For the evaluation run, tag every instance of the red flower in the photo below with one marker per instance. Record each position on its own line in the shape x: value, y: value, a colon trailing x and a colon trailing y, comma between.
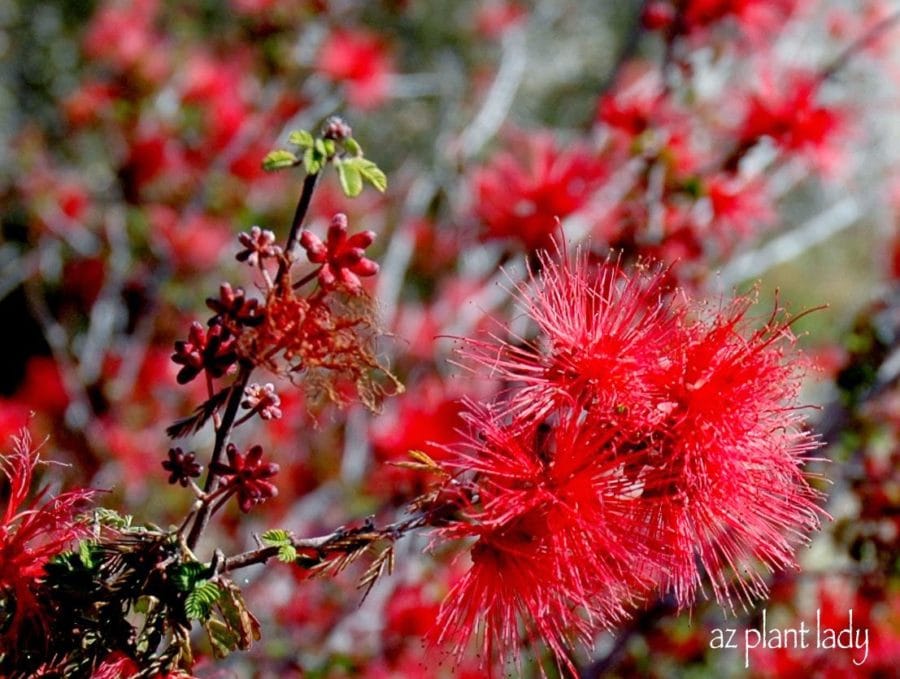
x: 122, y: 34
x: 31, y: 533
x: 246, y: 475
x: 342, y: 258
x: 360, y: 61
x: 522, y: 195
x: 644, y: 442
x: 791, y: 117
x: 493, y: 19
x: 557, y: 537
x: 728, y: 476
x: 605, y: 335
x: 738, y: 206
x: 756, y: 18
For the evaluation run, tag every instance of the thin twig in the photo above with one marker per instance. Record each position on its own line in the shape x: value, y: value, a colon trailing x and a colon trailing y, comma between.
x: 874, y: 32
x: 309, y: 185
x: 223, y: 435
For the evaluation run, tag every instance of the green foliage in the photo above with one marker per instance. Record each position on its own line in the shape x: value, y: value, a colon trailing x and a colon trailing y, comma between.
x: 187, y: 575
x: 350, y: 178
x: 371, y: 173
x: 354, y: 171
x: 85, y: 554
x: 104, y: 516
x: 198, y: 604
x: 278, y: 159
x: 287, y: 553
x: 301, y: 138
x: 278, y: 537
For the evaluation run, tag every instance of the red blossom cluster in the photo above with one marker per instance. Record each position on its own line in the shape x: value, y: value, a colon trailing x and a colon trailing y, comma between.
x: 34, y: 528
x: 523, y: 194
x: 645, y: 442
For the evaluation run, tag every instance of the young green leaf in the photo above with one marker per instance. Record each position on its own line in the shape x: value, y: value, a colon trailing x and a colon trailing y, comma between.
x: 350, y: 178
x: 352, y: 146
x: 311, y: 161
x: 276, y: 536
x: 301, y: 138
x: 287, y: 553
x: 278, y: 160
x: 372, y: 173
x: 85, y: 553
x: 198, y: 604
x: 186, y: 575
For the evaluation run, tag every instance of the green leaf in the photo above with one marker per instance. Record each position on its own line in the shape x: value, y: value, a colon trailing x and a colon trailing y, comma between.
x: 186, y: 575
x: 287, y: 553
x: 301, y: 138
x: 350, y: 178
x: 371, y: 173
x: 85, y: 553
x: 329, y: 147
x: 198, y: 604
x: 311, y: 161
x: 352, y: 146
x: 320, y: 148
x: 112, y: 518
x: 278, y: 159
x: 276, y: 536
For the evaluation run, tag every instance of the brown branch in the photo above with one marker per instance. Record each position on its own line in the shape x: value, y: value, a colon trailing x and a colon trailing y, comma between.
x: 223, y: 435
x: 875, y: 32
x: 340, y: 542
x: 309, y: 185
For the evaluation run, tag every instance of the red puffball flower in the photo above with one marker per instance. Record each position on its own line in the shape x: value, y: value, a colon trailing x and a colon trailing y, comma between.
x: 560, y: 542
x: 522, y: 195
x: 32, y: 531
x: 644, y: 442
x: 727, y: 477
x: 739, y: 208
x: 342, y: 257
x: 792, y: 118
x: 246, y: 475
x: 604, y: 333
x: 360, y: 61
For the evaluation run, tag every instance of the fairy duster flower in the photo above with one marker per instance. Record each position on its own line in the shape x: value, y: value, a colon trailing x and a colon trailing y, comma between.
x: 645, y: 443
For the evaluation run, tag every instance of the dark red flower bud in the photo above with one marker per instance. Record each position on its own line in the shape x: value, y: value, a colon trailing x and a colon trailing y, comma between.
x: 259, y: 244
x: 235, y: 309
x: 245, y: 474
x: 212, y: 349
x: 181, y: 466
x: 342, y: 258
x: 335, y: 128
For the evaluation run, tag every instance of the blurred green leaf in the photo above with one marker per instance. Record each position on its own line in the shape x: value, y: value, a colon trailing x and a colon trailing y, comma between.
x: 278, y: 160
x: 350, y: 178
x: 301, y: 138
